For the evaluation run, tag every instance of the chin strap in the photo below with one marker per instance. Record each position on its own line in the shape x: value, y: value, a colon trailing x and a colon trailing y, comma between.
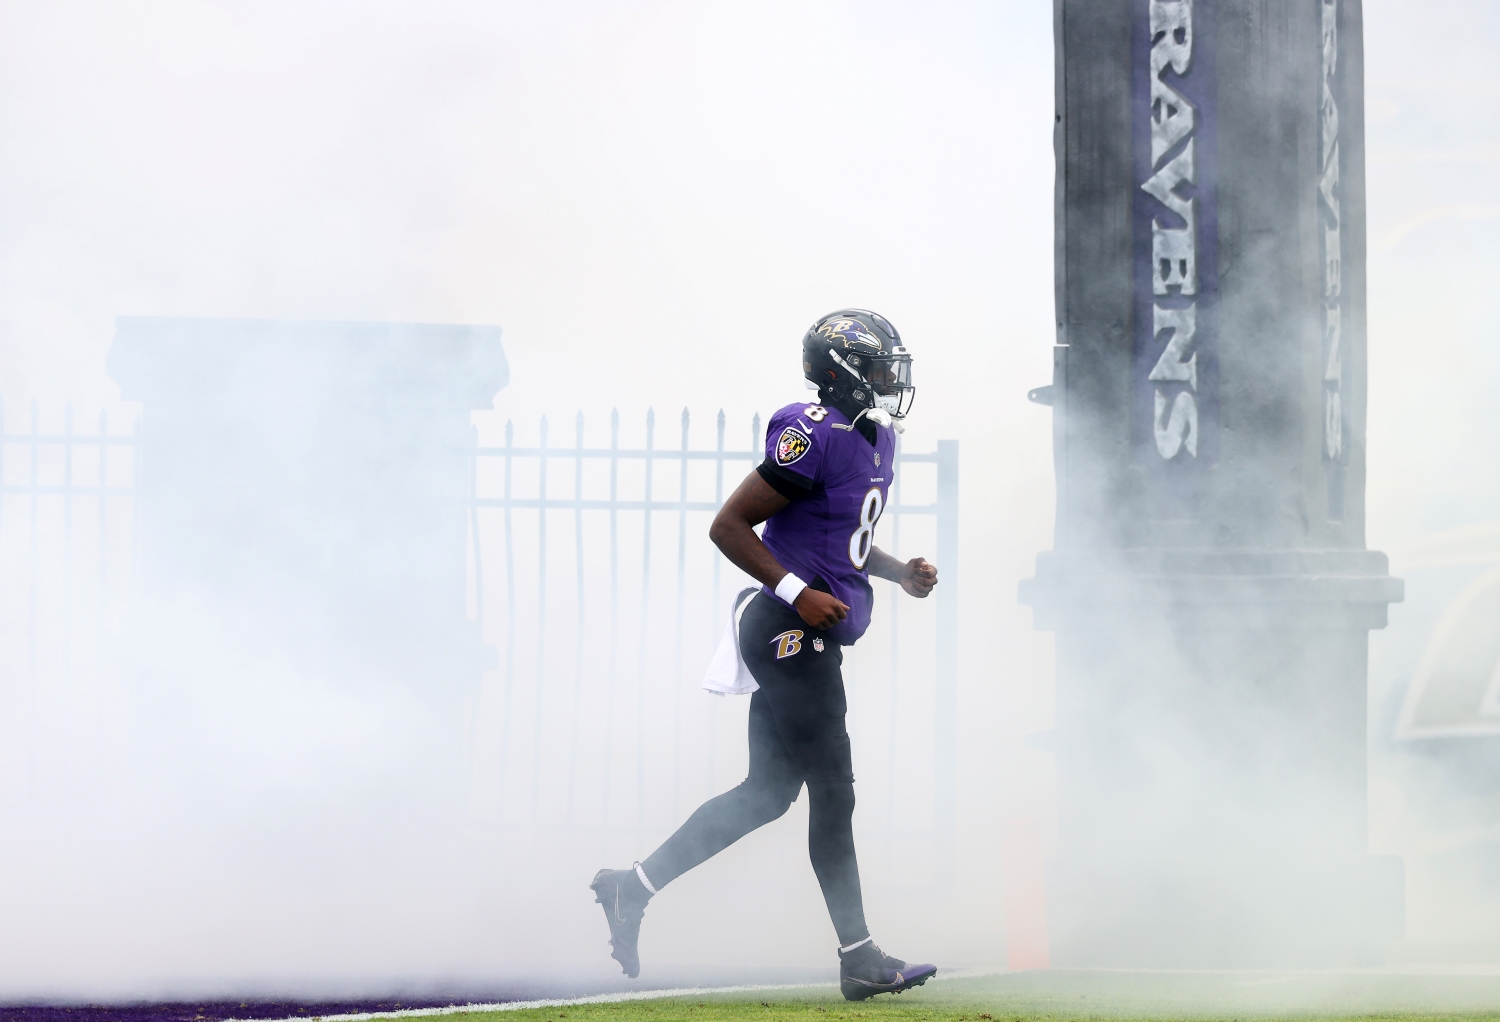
x: 847, y: 367
x: 879, y: 416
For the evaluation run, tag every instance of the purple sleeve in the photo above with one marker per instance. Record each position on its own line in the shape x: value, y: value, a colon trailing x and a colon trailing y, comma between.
x: 795, y: 444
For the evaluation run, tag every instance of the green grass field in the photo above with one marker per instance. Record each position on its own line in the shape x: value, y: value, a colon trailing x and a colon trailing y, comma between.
x: 1065, y: 994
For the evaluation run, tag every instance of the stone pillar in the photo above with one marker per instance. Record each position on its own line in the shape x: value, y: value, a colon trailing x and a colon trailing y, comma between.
x: 1210, y: 588
x: 303, y: 492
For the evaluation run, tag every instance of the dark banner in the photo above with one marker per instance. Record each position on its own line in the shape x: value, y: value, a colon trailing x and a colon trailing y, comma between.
x: 1176, y: 368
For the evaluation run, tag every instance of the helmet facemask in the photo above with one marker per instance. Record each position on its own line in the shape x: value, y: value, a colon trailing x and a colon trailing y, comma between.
x: 884, y: 387
x: 890, y: 381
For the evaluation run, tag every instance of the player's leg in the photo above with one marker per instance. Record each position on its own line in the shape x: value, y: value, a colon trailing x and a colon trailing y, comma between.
x: 830, y: 846
x: 802, y: 680
x: 803, y: 686
x: 765, y: 795
x: 769, y: 789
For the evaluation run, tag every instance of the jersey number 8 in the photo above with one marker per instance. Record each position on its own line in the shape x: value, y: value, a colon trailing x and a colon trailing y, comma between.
x: 863, y: 539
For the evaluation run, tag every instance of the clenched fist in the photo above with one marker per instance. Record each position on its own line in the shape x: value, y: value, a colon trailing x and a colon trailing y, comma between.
x: 918, y: 577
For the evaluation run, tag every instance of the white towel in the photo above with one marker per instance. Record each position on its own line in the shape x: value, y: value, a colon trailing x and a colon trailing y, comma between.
x: 727, y: 674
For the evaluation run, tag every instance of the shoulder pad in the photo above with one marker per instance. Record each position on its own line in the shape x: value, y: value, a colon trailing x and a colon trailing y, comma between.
x: 806, y: 417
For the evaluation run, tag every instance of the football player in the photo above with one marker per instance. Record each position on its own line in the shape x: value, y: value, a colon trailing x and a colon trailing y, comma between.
x: 820, y: 492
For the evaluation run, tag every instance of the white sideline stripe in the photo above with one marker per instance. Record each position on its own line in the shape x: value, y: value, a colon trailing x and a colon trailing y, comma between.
x: 556, y: 1002
x: 629, y: 995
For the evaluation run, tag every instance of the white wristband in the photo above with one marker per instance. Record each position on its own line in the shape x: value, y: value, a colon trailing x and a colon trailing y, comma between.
x: 789, y: 588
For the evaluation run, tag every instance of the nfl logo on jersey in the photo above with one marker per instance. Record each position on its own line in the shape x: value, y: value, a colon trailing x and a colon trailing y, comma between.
x: 818, y: 644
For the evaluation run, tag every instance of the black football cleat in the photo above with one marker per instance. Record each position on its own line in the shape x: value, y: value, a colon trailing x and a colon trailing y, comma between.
x: 624, y: 899
x: 867, y: 971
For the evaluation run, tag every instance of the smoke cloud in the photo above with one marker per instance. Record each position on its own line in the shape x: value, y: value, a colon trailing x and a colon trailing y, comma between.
x: 653, y: 201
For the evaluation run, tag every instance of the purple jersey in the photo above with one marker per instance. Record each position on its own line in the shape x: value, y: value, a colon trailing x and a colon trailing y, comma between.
x: 829, y: 533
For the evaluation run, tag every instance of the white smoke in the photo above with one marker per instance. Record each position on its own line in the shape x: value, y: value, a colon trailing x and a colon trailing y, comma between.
x: 654, y: 200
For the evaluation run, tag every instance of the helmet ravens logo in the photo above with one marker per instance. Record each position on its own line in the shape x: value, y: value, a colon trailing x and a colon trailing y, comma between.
x: 849, y: 332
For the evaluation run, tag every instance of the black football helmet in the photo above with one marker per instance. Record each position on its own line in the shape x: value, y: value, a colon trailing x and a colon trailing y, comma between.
x: 856, y: 359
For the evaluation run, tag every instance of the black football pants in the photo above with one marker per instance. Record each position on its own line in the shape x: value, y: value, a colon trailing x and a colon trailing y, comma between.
x: 797, y: 736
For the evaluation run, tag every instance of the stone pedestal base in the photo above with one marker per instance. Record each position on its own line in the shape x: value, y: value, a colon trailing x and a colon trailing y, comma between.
x: 1211, y: 749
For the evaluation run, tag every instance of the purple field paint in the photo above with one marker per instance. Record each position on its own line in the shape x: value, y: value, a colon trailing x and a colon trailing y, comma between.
x: 206, y: 1011
x: 536, y: 990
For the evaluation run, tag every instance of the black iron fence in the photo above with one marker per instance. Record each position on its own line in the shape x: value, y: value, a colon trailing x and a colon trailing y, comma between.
x: 67, y: 540
x: 592, y: 576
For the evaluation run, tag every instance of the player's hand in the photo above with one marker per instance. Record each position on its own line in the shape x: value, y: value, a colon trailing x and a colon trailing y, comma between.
x: 820, y: 609
x: 918, y: 577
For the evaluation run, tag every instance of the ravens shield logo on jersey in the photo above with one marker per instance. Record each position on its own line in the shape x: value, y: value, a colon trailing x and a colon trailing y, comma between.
x: 792, y: 445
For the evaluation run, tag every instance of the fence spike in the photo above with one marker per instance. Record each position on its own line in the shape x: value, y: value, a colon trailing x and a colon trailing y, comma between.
x: 510, y: 432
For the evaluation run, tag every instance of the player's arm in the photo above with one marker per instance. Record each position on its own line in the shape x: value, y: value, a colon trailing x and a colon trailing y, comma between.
x: 733, y: 532
x: 916, y: 576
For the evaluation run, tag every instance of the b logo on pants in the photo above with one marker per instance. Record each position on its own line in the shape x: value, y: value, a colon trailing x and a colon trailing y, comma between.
x: 788, y: 643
